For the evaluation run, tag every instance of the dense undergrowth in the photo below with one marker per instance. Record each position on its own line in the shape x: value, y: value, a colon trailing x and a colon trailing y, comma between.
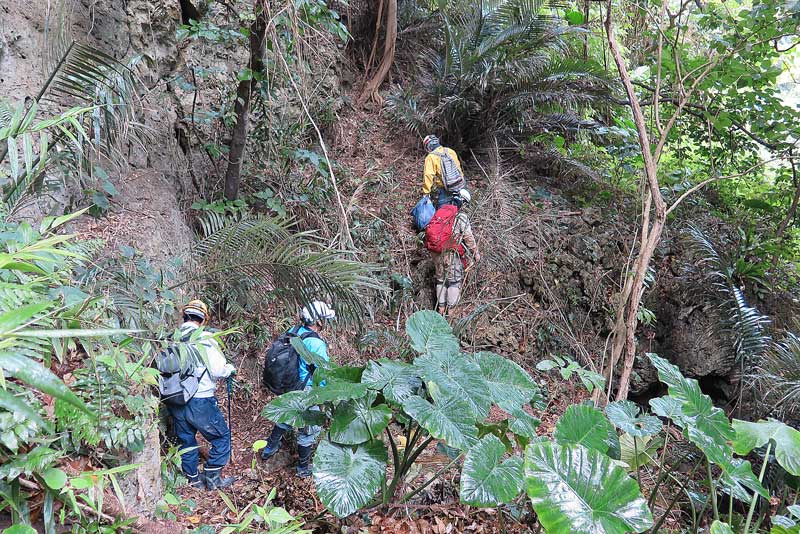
x: 528, y: 92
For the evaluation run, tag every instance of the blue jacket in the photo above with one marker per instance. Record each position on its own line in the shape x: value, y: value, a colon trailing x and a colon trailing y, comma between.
x: 317, y: 346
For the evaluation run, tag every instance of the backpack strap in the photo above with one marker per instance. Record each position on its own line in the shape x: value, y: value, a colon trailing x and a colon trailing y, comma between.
x: 309, y: 334
x: 185, y: 338
x: 311, y: 367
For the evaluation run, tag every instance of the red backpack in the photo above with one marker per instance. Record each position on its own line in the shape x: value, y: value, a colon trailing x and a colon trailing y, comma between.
x: 439, y: 233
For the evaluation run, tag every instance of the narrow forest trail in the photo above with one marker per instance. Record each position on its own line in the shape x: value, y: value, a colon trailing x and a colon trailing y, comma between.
x: 381, y: 175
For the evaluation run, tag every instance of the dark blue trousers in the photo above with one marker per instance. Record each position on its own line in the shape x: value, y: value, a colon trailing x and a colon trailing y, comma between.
x: 201, y: 415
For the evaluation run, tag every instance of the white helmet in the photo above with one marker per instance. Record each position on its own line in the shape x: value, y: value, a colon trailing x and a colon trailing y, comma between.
x: 466, y: 198
x: 316, y: 311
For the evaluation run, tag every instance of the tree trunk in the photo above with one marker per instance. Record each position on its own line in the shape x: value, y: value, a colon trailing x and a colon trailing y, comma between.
x: 244, y: 94
x: 625, y: 338
x: 370, y: 91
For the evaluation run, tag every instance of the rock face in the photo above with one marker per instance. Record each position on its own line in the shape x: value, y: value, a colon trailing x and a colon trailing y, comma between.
x: 146, y: 213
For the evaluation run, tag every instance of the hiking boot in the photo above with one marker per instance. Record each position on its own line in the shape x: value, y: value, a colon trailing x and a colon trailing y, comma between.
x: 273, y: 443
x: 197, y: 480
x: 215, y: 481
x: 303, y: 461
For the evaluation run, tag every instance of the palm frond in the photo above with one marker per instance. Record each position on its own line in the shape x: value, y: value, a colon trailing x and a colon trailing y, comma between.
x: 778, y: 375
x: 499, y: 65
x: 497, y: 210
x: 747, y: 327
x: 263, y: 257
x: 403, y: 108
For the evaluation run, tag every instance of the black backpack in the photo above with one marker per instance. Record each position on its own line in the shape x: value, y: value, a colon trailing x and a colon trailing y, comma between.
x: 282, y: 363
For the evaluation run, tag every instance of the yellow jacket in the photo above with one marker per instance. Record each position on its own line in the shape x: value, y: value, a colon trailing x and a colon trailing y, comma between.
x: 432, y: 177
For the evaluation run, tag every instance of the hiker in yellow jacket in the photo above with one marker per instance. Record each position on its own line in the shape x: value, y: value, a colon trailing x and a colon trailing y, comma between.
x: 442, y: 178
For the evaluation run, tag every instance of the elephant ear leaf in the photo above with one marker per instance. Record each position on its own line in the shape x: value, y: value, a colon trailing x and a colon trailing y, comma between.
x: 718, y: 527
x: 487, y: 480
x: 625, y: 416
x: 584, y: 425
x: 431, y: 334
x: 575, y: 490
x: 507, y: 382
x: 358, y: 421
x: 449, y: 419
x: 397, y: 380
x: 347, y: 478
x: 750, y: 436
x: 292, y: 409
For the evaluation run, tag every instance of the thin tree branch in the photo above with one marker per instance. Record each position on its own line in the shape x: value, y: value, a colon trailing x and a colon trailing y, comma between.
x: 727, y: 177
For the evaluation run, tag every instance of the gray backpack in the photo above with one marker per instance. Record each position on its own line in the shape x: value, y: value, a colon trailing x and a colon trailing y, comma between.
x: 178, y: 382
x: 452, y: 178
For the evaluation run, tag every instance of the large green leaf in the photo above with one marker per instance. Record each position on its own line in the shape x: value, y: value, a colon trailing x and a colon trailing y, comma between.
x: 738, y: 477
x: 575, y: 490
x: 458, y: 376
x: 450, y: 419
x: 668, y: 407
x: 705, y: 425
x: 339, y: 373
x: 750, y: 436
x: 782, y: 524
x: 336, y: 391
x: 19, y: 529
x: 508, y: 383
x: 348, y: 477
x: 397, y: 380
x: 309, y: 356
x: 625, y: 416
x: 583, y: 425
x: 488, y: 480
x: 522, y: 423
x: 638, y: 452
x: 292, y: 409
x: 718, y: 527
x: 34, y: 374
x: 358, y: 421
x: 431, y: 334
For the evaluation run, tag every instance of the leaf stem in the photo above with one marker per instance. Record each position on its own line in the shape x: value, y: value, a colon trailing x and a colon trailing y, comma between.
x: 428, y: 482
x: 754, y: 499
x: 713, y: 490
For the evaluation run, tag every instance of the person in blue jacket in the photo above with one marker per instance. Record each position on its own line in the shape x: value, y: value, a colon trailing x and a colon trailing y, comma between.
x: 314, y: 318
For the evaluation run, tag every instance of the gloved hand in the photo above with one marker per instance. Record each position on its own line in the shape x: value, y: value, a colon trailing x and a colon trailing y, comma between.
x: 477, y: 257
x: 230, y: 369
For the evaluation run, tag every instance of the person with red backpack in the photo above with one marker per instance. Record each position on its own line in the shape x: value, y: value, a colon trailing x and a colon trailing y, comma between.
x: 449, y: 237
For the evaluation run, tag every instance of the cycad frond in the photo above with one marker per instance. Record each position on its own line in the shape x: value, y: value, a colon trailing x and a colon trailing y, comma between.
x: 498, y: 67
x: 743, y: 326
x: 747, y: 327
x: 263, y: 257
x: 778, y: 374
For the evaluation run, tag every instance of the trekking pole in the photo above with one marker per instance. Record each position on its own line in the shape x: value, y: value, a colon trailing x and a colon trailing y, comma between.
x: 229, y: 384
